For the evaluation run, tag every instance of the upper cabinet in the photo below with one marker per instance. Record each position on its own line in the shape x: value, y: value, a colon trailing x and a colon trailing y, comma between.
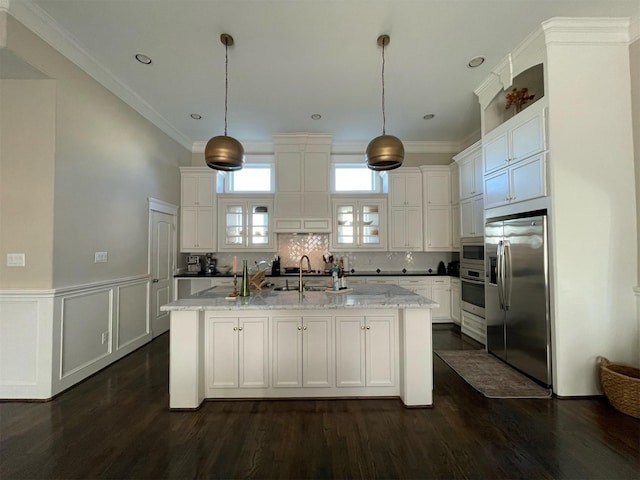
x: 405, y: 220
x: 302, y: 199
x: 245, y: 224
x: 470, y: 171
x: 197, y: 189
x: 359, y: 223
x: 437, y: 212
x: 197, y: 210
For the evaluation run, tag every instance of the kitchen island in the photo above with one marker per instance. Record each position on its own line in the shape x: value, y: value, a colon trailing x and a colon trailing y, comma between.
x: 372, y: 341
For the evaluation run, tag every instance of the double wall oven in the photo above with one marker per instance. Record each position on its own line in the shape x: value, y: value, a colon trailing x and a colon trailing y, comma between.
x: 472, y: 276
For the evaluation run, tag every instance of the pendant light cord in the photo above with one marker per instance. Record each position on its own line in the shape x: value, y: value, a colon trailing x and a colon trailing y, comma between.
x: 384, y: 119
x: 226, y: 83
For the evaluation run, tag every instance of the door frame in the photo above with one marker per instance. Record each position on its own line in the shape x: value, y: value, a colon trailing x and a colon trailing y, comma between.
x: 169, y: 209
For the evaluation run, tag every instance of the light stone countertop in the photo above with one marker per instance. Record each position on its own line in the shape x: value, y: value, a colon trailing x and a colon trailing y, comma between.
x: 360, y: 296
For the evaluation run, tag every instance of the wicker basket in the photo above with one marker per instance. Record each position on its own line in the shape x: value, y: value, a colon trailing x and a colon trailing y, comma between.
x: 621, y: 385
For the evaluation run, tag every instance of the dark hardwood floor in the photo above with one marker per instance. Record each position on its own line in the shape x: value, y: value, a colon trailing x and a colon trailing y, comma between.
x: 116, y: 424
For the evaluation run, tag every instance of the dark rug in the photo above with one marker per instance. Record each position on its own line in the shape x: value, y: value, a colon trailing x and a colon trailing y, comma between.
x: 490, y: 376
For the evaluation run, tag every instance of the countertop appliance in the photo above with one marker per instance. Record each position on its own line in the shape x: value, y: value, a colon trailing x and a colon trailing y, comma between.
x: 517, y: 293
x: 193, y: 264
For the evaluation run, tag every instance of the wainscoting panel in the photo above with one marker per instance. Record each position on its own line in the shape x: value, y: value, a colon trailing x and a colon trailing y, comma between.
x: 85, y: 329
x: 19, y: 340
x: 133, y: 320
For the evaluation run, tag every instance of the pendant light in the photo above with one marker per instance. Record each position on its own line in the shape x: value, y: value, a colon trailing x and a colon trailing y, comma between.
x: 385, y: 152
x: 223, y: 152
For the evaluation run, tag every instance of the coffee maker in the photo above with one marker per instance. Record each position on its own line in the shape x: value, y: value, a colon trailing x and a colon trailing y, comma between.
x: 193, y: 264
x: 210, y: 264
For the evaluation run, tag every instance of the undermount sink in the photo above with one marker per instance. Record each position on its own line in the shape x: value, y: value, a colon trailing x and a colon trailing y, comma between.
x: 285, y: 289
x: 290, y: 288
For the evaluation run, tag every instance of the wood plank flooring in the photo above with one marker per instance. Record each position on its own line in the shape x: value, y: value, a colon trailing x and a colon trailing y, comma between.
x: 116, y: 424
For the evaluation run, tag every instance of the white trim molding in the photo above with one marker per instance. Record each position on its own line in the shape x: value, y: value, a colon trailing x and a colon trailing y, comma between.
x: 586, y: 31
x: 161, y: 206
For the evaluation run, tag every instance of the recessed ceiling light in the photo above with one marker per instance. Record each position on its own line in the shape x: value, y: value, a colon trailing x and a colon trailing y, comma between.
x: 316, y: 116
x: 429, y: 116
x: 195, y: 116
x: 475, y: 62
x: 142, y: 58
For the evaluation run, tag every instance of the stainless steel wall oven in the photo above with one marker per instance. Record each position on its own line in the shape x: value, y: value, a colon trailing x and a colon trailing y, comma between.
x: 472, y: 276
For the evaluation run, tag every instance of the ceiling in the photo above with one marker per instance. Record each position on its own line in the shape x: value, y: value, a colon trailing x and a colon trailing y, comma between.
x: 292, y: 59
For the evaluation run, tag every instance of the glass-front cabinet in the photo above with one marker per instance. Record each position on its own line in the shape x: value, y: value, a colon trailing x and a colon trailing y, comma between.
x: 359, y: 223
x: 246, y: 224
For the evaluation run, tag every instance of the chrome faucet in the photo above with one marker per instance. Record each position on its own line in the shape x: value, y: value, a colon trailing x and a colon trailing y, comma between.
x: 300, y: 285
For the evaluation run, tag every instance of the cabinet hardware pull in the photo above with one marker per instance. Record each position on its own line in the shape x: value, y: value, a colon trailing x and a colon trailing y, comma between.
x: 368, y: 327
x: 361, y: 327
x: 240, y: 328
x: 299, y: 327
x: 155, y: 280
x: 305, y: 327
x: 235, y: 329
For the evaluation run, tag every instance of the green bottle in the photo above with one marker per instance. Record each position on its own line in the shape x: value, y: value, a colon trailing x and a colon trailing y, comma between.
x: 244, y: 286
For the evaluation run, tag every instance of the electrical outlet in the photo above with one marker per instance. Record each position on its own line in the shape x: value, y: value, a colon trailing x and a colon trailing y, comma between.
x: 100, y: 257
x: 105, y: 337
x: 15, y: 260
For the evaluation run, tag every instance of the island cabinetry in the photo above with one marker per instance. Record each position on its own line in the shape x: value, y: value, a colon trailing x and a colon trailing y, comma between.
x: 245, y: 224
x: 236, y: 352
x: 302, y: 353
x: 518, y: 138
x: 365, y: 351
x: 302, y: 199
x: 359, y: 223
x: 197, y: 210
x: 436, y: 191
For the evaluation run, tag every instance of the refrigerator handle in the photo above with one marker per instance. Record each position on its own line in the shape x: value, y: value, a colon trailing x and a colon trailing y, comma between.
x: 499, y: 273
x: 507, y: 274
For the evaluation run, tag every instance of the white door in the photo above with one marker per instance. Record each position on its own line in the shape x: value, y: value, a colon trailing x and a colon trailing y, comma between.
x: 350, y: 352
x: 253, y: 351
x: 316, y: 351
x: 221, y: 352
x: 162, y: 249
x: 380, y: 351
x: 287, y: 352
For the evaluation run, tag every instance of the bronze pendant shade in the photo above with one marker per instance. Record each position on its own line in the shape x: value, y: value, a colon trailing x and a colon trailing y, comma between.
x: 223, y: 152
x: 385, y: 152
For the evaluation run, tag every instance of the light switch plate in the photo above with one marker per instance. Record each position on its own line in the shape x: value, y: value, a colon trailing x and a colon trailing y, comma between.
x: 15, y: 259
x: 100, y: 257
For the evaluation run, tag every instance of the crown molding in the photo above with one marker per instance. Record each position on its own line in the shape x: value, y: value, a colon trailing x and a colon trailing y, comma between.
x: 44, y: 26
x: 586, y: 31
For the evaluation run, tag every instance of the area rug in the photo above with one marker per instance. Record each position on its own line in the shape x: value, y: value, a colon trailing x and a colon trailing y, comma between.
x: 490, y: 376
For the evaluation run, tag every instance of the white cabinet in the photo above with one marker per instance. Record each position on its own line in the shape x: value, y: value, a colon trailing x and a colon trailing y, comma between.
x: 405, y: 229
x: 405, y: 219
x: 455, y: 300
x: 436, y: 191
x: 237, y: 352
x: 472, y: 217
x: 470, y: 171
x: 421, y: 286
x: 518, y: 138
x: 302, y: 351
x: 197, y: 212
x: 365, y: 351
x: 518, y: 182
x: 455, y: 226
x: 245, y: 224
x: 197, y: 187
x: 302, y: 199
x: 359, y: 223
x: 474, y: 326
x: 405, y: 188
x: 197, y: 233
x: 441, y: 293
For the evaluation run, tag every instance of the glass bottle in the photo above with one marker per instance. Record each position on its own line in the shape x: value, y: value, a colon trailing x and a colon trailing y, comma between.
x: 244, y: 286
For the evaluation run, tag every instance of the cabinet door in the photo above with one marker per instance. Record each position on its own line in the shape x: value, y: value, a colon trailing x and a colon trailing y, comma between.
x: 370, y: 224
x: 437, y: 189
x: 467, y: 179
x: 496, y: 189
x: 455, y: 301
x: 196, y: 232
x: 496, y: 153
x: 414, y: 230
x: 288, y: 172
x: 287, y: 352
x: 413, y: 190
x: 397, y: 190
x: 478, y: 173
x: 440, y: 293
x: 527, y: 138
x: 398, y: 229
x: 350, y: 351
x: 454, y: 169
x: 380, y: 351
x: 466, y: 218
x: 221, y: 352
x: 344, y: 233
x: 455, y: 226
x: 259, y: 231
x: 253, y: 365
x: 316, y: 352
x: 527, y: 179
x: 438, y: 228
x: 233, y: 229
x: 478, y: 216
x: 197, y: 190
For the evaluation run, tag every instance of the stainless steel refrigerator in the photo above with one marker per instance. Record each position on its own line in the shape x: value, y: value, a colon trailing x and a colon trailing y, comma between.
x: 517, y: 293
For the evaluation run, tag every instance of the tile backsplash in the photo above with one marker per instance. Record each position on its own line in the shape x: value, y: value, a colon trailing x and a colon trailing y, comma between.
x: 291, y: 247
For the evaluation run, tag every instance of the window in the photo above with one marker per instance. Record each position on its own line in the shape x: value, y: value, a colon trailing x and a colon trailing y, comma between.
x: 348, y: 176
x: 257, y: 175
